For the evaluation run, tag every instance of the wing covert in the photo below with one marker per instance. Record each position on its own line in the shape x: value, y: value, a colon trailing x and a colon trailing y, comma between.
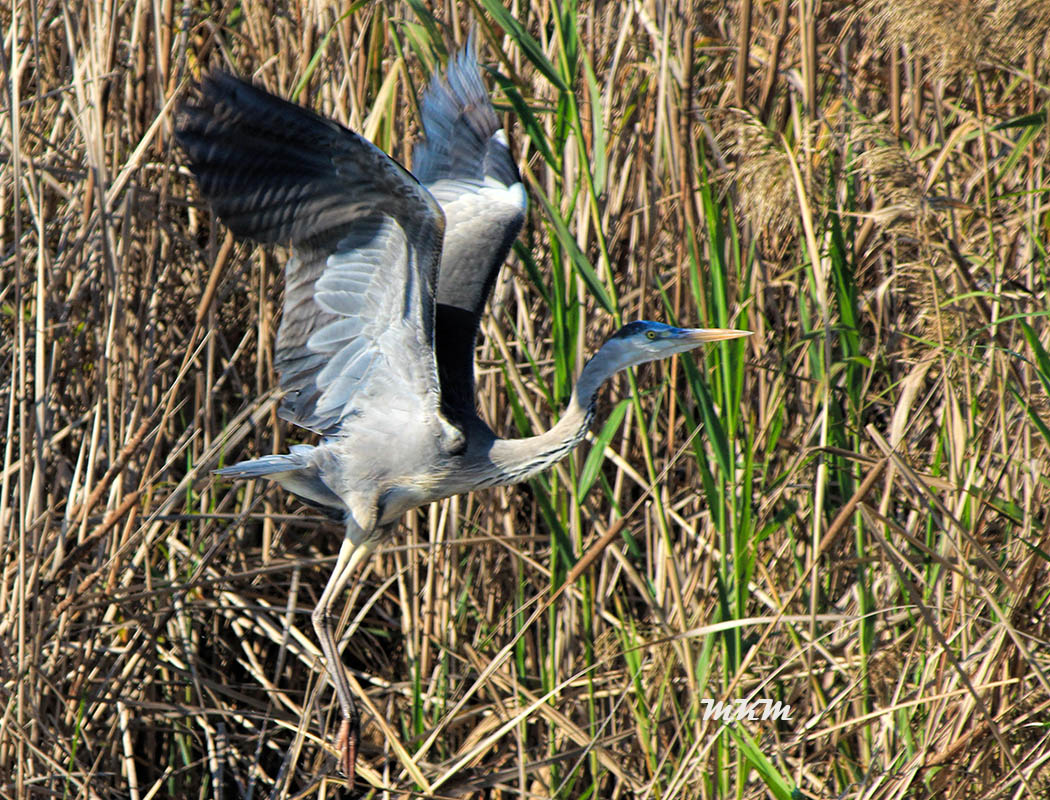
x: 366, y: 237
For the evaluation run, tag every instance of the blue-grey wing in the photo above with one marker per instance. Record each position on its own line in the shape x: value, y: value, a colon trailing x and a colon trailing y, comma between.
x: 465, y: 163
x: 366, y: 237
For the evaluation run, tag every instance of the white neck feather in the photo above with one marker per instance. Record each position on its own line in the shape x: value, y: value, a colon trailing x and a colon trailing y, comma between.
x: 521, y: 459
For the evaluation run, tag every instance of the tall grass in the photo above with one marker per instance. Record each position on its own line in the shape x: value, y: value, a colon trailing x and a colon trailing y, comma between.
x: 844, y: 513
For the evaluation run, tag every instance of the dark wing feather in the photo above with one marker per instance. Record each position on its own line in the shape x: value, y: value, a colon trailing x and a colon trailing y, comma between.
x: 358, y: 321
x: 465, y: 163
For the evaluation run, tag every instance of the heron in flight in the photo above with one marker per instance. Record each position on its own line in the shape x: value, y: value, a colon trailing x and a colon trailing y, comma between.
x: 388, y: 276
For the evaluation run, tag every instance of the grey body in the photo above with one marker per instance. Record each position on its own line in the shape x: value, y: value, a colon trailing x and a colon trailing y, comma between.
x: 384, y: 290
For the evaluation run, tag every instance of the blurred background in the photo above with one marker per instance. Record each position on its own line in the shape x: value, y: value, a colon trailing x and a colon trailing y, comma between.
x: 844, y: 514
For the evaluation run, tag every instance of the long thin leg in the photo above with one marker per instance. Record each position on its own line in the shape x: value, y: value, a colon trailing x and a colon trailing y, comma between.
x: 350, y: 557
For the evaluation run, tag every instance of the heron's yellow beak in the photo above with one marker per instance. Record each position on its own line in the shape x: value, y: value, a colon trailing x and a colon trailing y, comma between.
x: 700, y: 335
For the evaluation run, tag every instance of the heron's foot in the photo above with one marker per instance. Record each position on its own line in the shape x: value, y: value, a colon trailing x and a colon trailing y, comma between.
x: 346, y: 746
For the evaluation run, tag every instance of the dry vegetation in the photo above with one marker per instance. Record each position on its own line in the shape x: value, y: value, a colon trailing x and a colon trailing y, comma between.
x: 859, y: 528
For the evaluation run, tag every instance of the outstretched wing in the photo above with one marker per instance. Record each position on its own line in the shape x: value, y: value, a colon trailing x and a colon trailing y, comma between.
x: 465, y: 163
x: 358, y: 321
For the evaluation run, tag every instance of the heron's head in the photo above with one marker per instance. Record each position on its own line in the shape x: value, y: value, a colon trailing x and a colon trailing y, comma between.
x: 638, y: 342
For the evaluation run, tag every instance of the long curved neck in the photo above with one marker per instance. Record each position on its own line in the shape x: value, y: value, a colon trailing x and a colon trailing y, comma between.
x: 520, y: 459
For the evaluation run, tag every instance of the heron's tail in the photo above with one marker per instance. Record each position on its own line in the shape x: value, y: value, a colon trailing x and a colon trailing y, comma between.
x: 297, y: 473
x: 261, y: 467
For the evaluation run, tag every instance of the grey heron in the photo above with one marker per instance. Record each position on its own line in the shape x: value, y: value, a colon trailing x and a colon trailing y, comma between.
x: 388, y: 276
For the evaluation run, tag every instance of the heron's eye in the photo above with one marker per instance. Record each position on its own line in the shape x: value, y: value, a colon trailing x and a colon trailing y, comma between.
x: 650, y: 334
